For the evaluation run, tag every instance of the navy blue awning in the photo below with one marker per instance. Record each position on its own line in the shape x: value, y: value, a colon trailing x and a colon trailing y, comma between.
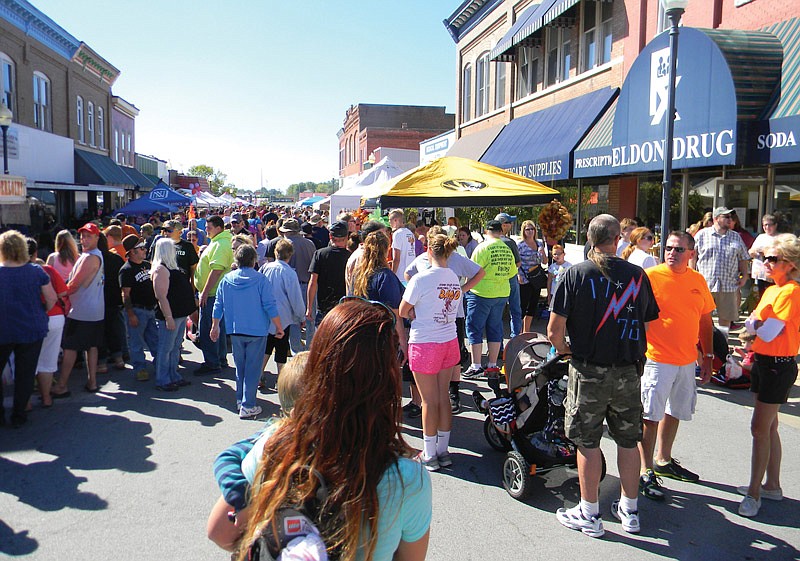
x: 99, y: 169
x: 540, y: 145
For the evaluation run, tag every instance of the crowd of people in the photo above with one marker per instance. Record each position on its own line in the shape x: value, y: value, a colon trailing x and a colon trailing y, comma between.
x: 402, y: 298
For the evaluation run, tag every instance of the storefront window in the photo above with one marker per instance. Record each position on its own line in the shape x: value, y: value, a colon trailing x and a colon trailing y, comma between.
x: 786, y: 204
x: 648, y: 207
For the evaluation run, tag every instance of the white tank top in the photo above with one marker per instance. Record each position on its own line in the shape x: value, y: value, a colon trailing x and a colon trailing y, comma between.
x: 88, y: 303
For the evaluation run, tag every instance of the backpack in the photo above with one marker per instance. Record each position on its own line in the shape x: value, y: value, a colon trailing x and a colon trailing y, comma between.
x: 254, y: 229
x: 300, y: 529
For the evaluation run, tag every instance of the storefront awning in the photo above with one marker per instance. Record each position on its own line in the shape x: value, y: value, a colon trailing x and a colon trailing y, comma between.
x: 139, y: 179
x: 99, y: 169
x: 473, y: 146
x: 540, y: 145
x: 775, y: 138
x: 725, y: 79
x: 531, y: 18
x: 154, y: 178
x: 55, y: 186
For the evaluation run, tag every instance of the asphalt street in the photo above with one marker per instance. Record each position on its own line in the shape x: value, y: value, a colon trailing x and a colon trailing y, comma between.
x: 126, y: 474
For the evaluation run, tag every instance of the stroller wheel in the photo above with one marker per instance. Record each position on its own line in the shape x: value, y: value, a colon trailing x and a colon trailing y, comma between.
x: 516, y: 475
x: 495, y: 439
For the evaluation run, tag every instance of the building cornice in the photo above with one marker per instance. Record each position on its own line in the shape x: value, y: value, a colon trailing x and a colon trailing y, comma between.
x: 35, y: 24
x: 124, y: 107
x: 467, y: 15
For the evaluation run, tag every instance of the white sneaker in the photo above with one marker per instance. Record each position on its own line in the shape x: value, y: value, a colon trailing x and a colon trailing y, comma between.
x: 749, y: 506
x: 252, y: 413
x: 769, y: 494
x: 630, y: 520
x: 574, y: 519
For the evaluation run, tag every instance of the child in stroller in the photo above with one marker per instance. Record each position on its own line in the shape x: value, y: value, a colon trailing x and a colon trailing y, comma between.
x: 526, y: 420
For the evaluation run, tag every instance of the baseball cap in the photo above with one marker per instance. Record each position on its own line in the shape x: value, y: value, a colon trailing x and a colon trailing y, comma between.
x: 494, y: 226
x: 290, y: 225
x: 132, y: 241
x: 339, y: 229
x: 90, y: 227
x: 236, y: 217
x: 504, y: 218
x: 720, y: 210
x: 121, y: 216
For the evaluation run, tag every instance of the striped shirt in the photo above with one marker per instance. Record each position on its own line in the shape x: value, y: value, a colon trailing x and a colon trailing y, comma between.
x: 718, y: 257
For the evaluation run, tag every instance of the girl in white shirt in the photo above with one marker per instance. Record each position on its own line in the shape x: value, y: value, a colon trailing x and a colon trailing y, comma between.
x: 638, y: 253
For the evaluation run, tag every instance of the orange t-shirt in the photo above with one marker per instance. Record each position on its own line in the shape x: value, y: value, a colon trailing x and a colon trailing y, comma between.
x: 782, y: 303
x: 682, y: 298
x: 119, y: 249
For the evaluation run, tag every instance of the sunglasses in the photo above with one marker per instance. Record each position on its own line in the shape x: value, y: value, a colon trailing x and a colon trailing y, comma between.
x: 675, y: 248
x: 773, y: 259
x: 530, y: 229
x: 344, y: 299
x: 648, y: 237
x: 168, y: 231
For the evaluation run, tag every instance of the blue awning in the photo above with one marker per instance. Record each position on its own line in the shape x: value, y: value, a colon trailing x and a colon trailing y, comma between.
x: 531, y: 18
x: 540, y: 145
x: 99, y: 169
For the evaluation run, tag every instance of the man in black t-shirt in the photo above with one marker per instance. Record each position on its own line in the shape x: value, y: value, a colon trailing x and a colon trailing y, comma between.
x: 327, y: 273
x: 139, y: 301
x: 605, y: 304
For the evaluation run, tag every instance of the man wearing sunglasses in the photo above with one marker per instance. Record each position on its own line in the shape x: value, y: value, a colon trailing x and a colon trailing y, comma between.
x: 722, y: 259
x: 669, y: 391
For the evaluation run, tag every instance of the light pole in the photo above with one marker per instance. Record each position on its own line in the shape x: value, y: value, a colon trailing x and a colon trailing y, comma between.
x: 674, y: 10
x: 5, y: 121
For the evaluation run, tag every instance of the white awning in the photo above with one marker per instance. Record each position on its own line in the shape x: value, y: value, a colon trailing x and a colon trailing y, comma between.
x: 47, y: 186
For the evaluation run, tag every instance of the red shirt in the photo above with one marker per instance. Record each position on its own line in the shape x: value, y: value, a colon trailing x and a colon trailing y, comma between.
x: 60, y: 287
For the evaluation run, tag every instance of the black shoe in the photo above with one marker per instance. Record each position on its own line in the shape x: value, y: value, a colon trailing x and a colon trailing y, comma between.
x: 674, y: 470
x: 455, y: 402
x: 650, y: 486
x: 168, y: 388
x: 206, y: 370
x: 472, y: 373
x: 412, y: 410
x: 182, y: 383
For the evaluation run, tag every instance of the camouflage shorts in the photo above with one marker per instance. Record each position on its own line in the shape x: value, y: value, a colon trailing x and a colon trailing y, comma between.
x: 596, y: 394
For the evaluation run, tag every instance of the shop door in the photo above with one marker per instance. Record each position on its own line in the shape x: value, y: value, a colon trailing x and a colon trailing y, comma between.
x: 746, y: 197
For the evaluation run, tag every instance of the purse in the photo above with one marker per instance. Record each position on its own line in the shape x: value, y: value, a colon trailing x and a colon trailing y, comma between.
x: 537, y: 277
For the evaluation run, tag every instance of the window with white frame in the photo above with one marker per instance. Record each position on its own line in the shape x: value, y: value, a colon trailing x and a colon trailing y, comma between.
x: 527, y: 71
x: 466, y: 94
x: 597, y: 34
x: 482, y: 85
x: 90, y: 122
x: 662, y: 23
x: 7, y: 81
x: 42, y: 119
x: 558, y: 49
x: 130, y: 159
x: 79, y: 117
x: 116, y: 146
x: 499, y: 84
x: 101, y: 128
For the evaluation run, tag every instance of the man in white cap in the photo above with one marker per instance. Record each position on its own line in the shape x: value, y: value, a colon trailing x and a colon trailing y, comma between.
x: 514, y: 306
x: 722, y: 259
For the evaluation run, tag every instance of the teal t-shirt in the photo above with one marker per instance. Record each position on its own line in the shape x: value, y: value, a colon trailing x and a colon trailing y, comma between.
x: 498, y: 261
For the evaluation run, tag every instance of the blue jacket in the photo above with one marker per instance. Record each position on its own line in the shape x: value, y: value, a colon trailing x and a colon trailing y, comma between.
x: 238, y: 297
x: 288, y: 294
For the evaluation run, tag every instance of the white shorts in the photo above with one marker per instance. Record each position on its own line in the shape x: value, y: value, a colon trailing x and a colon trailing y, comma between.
x: 670, y: 389
x: 48, y: 357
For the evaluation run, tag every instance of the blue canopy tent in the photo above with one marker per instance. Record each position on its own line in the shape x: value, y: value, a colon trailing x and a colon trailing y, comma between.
x: 310, y: 201
x: 161, y: 193
x: 145, y: 205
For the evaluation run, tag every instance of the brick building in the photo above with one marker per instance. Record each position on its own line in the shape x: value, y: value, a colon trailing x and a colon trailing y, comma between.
x: 60, y: 141
x: 368, y: 127
x: 540, y: 82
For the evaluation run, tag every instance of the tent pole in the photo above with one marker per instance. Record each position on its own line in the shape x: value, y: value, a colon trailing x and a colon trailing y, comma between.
x: 578, y: 213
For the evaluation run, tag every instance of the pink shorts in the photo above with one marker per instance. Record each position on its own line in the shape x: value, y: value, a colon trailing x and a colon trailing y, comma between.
x: 432, y: 358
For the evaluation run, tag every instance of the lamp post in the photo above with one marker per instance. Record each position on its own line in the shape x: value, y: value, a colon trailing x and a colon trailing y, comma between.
x: 674, y: 10
x: 5, y: 121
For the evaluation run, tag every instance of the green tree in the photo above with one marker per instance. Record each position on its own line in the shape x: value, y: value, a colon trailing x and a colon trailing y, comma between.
x: 217, y: 181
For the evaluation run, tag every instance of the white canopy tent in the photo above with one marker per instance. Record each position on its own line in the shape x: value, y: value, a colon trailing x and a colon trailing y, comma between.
x: 324, y: 204
x: 349, y: 196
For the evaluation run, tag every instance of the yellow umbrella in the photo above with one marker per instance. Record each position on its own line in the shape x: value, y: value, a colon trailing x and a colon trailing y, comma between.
x: 459, y: 182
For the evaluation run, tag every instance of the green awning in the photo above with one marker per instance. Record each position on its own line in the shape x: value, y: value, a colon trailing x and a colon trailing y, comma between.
x: 99, y: 169
x: 138, y: 178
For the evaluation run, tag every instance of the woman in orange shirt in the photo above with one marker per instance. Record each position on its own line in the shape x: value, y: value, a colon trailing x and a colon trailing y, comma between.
x: 775, y: 368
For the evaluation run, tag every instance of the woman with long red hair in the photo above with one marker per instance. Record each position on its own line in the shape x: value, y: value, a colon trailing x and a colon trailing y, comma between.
x: 345, y: 427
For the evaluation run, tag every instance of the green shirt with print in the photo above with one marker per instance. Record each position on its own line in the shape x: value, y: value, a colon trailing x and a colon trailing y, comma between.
x: 498, y: 261
x: 217, y: 256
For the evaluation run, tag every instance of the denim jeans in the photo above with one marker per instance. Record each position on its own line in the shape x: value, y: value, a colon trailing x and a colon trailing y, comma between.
x: 484, y: 313
x: 294, y: 337
x: 214, y: 354
x: 144, y: 333
x: 248, y: 353
x: 114, y: 342
x: 169, y: 351
x: 514, y: 307
x: 26, y: 356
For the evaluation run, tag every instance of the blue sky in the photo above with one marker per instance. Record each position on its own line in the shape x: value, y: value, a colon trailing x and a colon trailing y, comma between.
x: 246, y: 85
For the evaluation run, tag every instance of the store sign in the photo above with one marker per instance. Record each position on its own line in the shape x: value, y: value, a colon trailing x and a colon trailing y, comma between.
x: 705, y: 111
x: 13, y: 144
x: 775, y: 141
x: 12, y: 189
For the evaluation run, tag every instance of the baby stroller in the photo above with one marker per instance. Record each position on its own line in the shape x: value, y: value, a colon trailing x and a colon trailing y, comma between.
x: 526, y: 420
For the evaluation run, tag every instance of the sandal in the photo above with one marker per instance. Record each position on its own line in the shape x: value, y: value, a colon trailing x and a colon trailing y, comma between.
x: 60, y: 395
x: 91, y: 390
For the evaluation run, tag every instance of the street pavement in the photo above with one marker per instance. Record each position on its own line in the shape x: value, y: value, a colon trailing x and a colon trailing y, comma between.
x: 126, y: 474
